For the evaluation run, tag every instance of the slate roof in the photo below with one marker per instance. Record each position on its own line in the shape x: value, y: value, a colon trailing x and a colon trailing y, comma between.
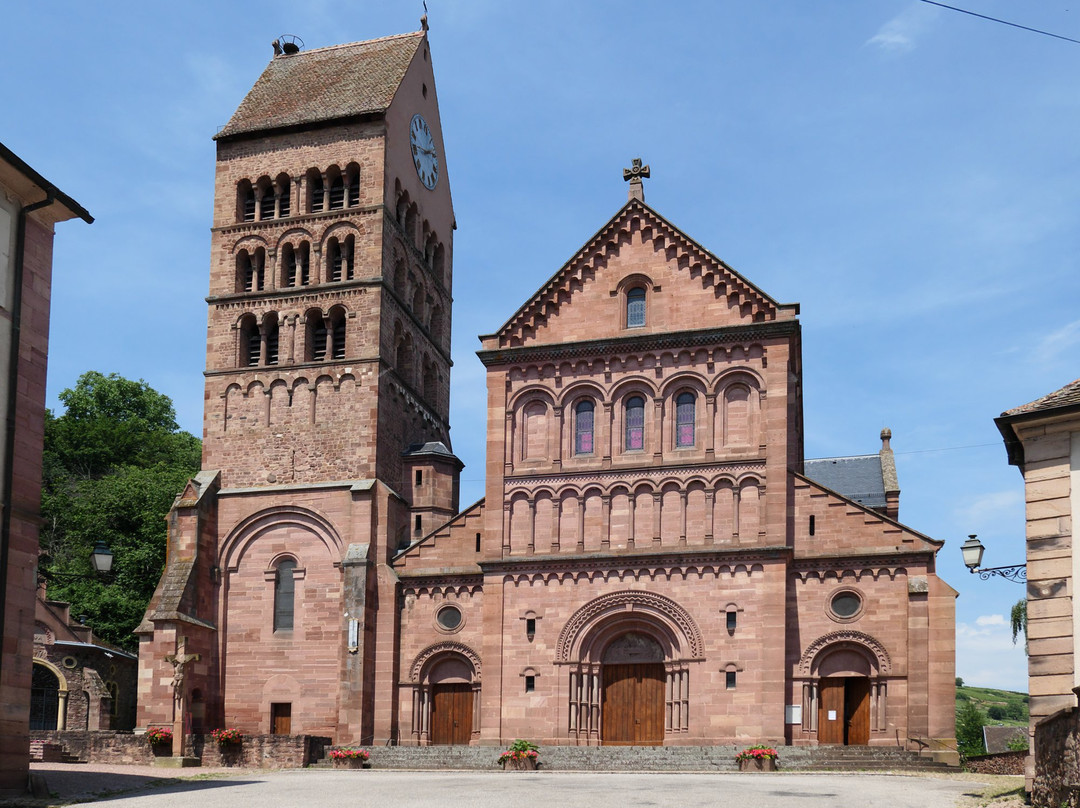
x: 997, y: 738
x: 857, y: 478
x: 1067, y: 396
x: 325, y: 84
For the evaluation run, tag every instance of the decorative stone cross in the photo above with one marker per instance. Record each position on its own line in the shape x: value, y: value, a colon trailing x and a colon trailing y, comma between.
x: 633, y: 176
x: 179, y: 661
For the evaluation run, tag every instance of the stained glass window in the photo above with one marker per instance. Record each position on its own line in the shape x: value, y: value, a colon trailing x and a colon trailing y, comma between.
x: 635, y: 423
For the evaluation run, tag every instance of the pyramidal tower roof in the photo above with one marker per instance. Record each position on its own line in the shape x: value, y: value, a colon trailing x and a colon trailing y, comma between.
x: 325, y: 84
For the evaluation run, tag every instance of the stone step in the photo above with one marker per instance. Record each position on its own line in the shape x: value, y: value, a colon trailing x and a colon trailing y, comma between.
x: 653, y: 758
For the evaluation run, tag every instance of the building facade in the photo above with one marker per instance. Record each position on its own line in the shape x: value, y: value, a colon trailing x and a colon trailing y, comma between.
x: 652, y: 563
x: 30, y: 207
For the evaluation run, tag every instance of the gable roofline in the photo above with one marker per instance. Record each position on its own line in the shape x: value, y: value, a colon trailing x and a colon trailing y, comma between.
x: 578, y: 259
x: 937, y: 544
x: 352, y: 81
x: 1064, y: 401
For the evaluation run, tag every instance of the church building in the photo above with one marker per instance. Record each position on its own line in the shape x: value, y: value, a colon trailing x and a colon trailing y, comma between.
x: 654, y: 562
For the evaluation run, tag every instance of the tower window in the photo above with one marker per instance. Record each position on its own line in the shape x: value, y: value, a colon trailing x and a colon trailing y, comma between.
x: 635, y: 307
x: 352, y: 186
x: 732, y: 620
x: 583, y: 427
x: 284, y: 198
x: 284, y: 595
x: 266, y: 205
x: 811, y: 524
x: 246, y: 202
x: 478, y: 542
x: 316, y: 193
x: 337, y: 334
x: 530, y: 684
x: 253, y: 346
x: 530, y: 628
x: 272, y: 340
x: 730, y: 680
x: 417, y: 524
x: 635, y: 423
x: 684, y: 420
x: 337, y: 193
x: 419, y: 478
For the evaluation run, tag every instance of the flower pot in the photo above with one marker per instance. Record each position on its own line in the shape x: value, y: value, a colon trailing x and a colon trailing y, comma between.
x: 520, y: 765
x: 349, y: 763
x: 757, y: 765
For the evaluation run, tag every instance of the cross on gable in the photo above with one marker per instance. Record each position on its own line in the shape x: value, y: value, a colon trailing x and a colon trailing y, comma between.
x: 634, y: 175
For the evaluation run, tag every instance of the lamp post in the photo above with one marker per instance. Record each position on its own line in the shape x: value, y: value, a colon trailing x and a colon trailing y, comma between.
x: 101, y: 559
x: 972, y: 551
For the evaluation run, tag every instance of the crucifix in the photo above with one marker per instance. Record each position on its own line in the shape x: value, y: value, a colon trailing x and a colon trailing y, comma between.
x: 633, y: 176
x: 179, y: 661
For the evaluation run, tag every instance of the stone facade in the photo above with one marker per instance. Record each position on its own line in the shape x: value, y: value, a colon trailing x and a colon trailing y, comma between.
x: 651, y: 562
x: 30, y: 206
x: 1043, y: 440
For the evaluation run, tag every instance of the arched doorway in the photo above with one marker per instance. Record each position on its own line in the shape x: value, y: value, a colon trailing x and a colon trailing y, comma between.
x: 846, y: 688
x: 446, y: 690
x: 632, y: 704
x: 44, y: 699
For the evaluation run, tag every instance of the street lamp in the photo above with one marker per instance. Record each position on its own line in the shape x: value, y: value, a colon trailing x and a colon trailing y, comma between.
x: 973, y: 550
x: 101, y: 559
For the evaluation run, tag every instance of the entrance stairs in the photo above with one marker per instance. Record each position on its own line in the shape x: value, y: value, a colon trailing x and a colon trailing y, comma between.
x: 655, y: 758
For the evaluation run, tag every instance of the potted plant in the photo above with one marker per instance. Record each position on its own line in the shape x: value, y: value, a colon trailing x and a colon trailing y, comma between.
x: 229, y: 743
x: 349, y: 758
x: 521, y: 756
x: 758, y: 758
x: 160, y: 740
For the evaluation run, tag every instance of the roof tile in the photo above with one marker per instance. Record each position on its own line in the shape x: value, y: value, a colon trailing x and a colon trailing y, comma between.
x: 325, y: 84
x: 1067, y: 396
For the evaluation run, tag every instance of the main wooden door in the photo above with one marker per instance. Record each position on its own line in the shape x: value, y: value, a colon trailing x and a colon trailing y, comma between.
x: 451, y: 713
x: 632, y: 708
x: 844, y: 710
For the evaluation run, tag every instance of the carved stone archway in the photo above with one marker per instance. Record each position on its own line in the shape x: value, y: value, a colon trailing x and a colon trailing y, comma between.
x: 444, y: 663
x: 848, y: 655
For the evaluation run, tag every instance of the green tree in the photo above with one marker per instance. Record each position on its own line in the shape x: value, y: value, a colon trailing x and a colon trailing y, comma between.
x: 996, y: 713
x: 1018, y: 618
x: 1014, y: 711
x: 969, y: 729
x: 114, y: 463
x: 959, y: 682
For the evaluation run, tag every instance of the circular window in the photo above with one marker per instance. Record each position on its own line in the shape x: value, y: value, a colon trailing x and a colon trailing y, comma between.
x: 845, y: 605
x: 70, y: 662
x: 449, y: 618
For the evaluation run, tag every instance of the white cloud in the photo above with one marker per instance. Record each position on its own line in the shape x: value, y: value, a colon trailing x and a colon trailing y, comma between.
x: 898, y: 34
x: 1064, y: 338
x: 991, y: 620
x: 986, y: 656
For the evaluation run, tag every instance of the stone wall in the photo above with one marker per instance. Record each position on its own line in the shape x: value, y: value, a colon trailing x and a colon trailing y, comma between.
x: 999, y: 763
x: 1057, y: 766
x: 256, y: 751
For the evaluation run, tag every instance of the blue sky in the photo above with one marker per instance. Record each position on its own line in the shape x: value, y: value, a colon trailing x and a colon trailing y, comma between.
x: 909, y: 174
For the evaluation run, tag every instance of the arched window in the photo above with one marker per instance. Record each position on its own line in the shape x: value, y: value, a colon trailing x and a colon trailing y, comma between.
x: 583, y: 427
x: 283, y: 195
x: 265, y: 192
x: 352, y: 185
x: 337, y: 333
x: 316, y: 337
x: 315, y: 191
x: 284, y: 595
x: 295, y: 261
x: 684, y: 420
x: 249, y: 271
x: 250, y: 342
x: 245, y: 202
x: 270, y: 326
x: 635, y: 423
x: 635, y: 307
x: 334, y: 259
x: 347, y: 253
x: 337, y: 190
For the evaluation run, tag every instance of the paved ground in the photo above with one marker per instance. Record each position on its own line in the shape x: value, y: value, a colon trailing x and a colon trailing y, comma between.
x: 142, y: 787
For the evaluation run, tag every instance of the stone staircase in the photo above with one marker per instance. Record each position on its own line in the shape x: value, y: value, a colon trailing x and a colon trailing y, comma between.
x: 47, y: 752
x: 653, y: 758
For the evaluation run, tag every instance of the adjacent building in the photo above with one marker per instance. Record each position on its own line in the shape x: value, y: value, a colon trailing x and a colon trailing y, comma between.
x: 30, y: 207
x: 653, y: 562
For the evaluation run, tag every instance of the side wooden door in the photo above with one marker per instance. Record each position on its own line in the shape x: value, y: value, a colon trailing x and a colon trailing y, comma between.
x: 857, y: 710
x: 281, y: 719
x: 451, y: 713
x: 632, y: 707
x: 830, y: 725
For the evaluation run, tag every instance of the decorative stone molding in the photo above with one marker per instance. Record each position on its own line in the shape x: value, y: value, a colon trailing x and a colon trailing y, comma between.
x: 840, y: 639
x: 628, y: 478
x: 631, y: 601
x: 440, y: 649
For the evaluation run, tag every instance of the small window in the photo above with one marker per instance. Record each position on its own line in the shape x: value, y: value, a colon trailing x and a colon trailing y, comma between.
x: 811, y: 524
x: 418, y: 524
x: 478, y: 542
x: 583, y: 427
x: 730, y: 680
x: 732, y: 620
x: 530, y: 628
x: 283, y: 198
x: 449, y: 618
x: 530, y: 684
x: 419, y: 478
x: 284, y: 595
x: 272, y: 341
x: 845, y: 604
x: 684, y: 420
x: 635, y: 307
x: 337, y: 193
x: 635, y: 424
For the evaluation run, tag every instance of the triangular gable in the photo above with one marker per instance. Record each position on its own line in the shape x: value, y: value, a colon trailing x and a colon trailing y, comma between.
x: 451, y: 545
x: 845, y: 527
x: 753, y: 304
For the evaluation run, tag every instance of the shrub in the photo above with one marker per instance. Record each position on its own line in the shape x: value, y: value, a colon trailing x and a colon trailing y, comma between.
x: 969, y: 730
x: 996, y: 713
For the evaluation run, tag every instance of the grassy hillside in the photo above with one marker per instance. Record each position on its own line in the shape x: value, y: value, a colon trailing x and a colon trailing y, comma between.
x: 999, y: 706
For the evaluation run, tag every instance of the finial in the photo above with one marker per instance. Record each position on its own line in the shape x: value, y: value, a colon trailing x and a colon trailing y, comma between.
x: 886, y: 435
x: 423, y: 18
x: 633, y: 176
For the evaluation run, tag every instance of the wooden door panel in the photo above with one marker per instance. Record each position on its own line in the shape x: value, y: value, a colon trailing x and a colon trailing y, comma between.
x: 857, y: 710
x: 831, y: 703
x: 281, y: 719
x: 451, y: 714
x: 633, y: 705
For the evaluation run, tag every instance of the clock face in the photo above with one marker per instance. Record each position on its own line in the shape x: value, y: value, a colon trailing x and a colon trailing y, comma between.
x: 423, y: 152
